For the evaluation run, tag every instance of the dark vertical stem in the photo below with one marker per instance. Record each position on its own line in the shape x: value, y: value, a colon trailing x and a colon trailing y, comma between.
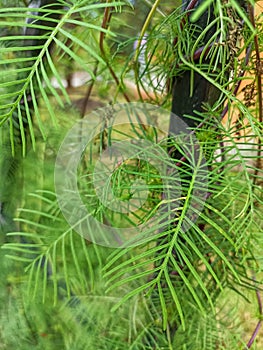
x: 190, y: 91
x: 88, y: 92
x: 187, y: 103
x: 188, y: 99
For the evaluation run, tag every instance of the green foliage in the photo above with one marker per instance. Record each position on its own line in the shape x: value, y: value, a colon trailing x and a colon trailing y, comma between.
x: 62, y: 291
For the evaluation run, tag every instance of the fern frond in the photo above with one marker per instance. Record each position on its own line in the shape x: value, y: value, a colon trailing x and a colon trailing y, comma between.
x: 40, y: 31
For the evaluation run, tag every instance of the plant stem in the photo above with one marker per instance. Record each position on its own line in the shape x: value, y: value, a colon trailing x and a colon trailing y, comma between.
x: 256, y: 330
x: 105, y: 24
x: 88, y: 92
x: 259, y: 70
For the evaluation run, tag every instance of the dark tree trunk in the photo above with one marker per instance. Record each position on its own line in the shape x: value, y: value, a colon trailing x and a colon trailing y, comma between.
x: 187, y: 99
x: 191, y: 94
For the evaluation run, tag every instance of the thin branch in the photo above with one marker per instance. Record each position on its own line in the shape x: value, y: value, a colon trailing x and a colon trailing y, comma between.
x: 259, y: 70
x: 257, y: 328
x: 188, y: 9
x: 88, y: 92
x: 105, y: 24
x: 259, y: 150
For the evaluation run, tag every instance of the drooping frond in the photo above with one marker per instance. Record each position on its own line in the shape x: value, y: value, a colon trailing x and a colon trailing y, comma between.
x: 33, y: 42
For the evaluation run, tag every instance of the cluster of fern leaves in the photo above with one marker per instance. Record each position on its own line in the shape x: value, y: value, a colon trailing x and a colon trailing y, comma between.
x: 59, y: 290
